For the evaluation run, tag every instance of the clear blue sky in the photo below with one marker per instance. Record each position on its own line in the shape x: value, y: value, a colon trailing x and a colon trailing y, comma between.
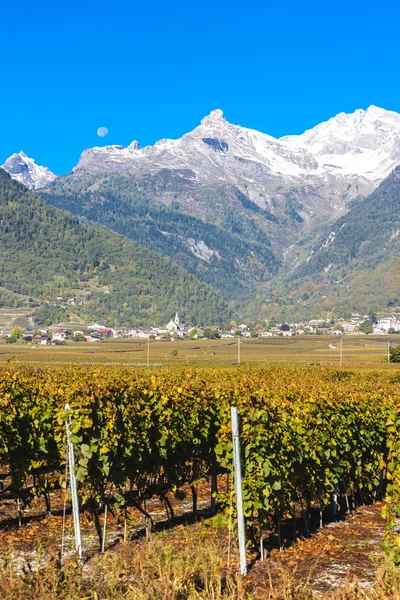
x: 150, y: 70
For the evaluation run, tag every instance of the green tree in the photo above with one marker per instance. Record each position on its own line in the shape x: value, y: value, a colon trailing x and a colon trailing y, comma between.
x: 365, y: 327
x: 77, y: 337
x: 210, y: 334
x: 17, y: 333
x: 395, y: 354
x: 373, y: 317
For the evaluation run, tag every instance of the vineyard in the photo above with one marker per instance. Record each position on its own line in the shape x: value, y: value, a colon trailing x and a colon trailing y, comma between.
x: 310, y: 437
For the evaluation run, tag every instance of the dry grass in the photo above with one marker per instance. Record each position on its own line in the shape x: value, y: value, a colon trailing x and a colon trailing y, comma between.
x: 185, y: 564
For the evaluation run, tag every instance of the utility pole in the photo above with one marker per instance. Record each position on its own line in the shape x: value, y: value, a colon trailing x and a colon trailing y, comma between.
x: 388, y: 351
x: 148, y: 351
x: 238, y: 349
x: 237, y: 471
x: 341, y: 350
x: 74, y: 492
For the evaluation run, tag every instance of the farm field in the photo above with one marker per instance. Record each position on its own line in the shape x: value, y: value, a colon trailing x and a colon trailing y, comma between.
x: 148, y: 445
x: 323, y: 350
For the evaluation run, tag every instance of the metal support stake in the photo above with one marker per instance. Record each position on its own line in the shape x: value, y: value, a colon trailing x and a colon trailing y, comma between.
x: 238, y: 489
x: 214, y: 488
x: 74, y: 493
x: 103, y: 541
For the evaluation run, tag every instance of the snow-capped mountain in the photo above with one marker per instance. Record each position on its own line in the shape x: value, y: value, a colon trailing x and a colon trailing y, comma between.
x: 327, y: 165
x: 26, y: 171
x: 365, y: 143
x: 235, y: 206
x: 215, y: 150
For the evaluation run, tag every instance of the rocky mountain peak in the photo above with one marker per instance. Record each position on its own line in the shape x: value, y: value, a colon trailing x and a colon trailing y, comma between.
x: 134, y: 145
x: 26, y: 171
x: 215, y: 116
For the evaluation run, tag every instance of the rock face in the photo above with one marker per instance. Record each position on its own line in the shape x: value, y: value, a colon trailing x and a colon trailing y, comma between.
x: 321, y: 169
x: 23, y: 169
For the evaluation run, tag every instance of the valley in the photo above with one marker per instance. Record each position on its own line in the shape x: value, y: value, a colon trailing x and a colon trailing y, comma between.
x: 293, y: 228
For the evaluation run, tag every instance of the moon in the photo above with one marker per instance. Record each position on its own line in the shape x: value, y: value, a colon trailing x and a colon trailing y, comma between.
x: 102, y: 131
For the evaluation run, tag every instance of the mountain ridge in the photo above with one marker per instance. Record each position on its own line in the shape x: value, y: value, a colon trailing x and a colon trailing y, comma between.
x: 239, y: 209
x: 363, y: 145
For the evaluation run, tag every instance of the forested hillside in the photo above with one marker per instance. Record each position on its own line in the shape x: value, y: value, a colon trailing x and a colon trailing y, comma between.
x: 216, y: 232
x: 45, y: 251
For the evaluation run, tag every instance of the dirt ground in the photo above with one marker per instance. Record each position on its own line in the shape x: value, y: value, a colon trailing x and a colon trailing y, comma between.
x: 346, y: 550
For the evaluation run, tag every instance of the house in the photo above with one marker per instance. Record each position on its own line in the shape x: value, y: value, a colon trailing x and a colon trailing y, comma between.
x: 101, y: 330
x: 59, y: 336
x: 105, y: 332
x: 387, y: 323
x: 41, y: 339
x: 348, y: 326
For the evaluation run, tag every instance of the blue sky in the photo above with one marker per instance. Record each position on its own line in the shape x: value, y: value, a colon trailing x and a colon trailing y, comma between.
x: 150, y: 70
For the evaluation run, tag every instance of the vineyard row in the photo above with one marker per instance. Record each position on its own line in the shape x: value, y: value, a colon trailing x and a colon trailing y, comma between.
x: 140, y: 434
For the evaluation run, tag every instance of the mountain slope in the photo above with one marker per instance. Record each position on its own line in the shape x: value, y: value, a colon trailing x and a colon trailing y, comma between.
x: 215, y: 232
x: 229, y: 203
x: 366, y: 236
x: 355, y: 266
x: 45, y: 252
x: 26, y: 171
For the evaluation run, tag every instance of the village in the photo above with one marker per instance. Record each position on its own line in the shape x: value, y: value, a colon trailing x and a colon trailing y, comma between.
x: 175, y: 330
